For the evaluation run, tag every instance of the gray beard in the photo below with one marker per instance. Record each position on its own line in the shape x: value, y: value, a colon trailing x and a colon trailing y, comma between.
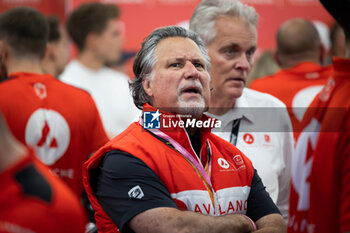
x: 195, y: 108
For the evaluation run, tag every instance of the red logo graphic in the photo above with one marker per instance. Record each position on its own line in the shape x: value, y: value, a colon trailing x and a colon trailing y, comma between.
x: 248, y: 138
x: 40, y: 90
x: 223, y: 163
x: 44, y: 137
x: 238, y: 160
x: 267, y: 137
x: 48, y: 133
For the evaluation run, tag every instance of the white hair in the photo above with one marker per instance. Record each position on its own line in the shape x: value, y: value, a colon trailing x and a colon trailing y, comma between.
x: 207, y: 12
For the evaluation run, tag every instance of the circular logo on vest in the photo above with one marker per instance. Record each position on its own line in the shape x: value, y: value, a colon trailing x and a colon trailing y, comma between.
x: 48, y: 133
x: 223, y: 163
x: 248, y: 138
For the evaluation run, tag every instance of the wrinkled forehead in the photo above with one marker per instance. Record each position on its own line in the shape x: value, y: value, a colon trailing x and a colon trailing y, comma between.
x: 178, y: 47
x: 236, y: 29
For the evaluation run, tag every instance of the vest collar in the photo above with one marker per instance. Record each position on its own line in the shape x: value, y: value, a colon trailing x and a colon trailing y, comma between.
x: 170, y: 124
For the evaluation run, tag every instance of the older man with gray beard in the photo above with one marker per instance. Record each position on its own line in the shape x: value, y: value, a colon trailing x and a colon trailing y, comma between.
x: 180, y: 178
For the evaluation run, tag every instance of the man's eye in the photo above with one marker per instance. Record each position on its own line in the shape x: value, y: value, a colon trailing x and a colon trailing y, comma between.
x: 175, y: 65
x: 250, y: 53
x: 200, y: 65
x: 229, y: 51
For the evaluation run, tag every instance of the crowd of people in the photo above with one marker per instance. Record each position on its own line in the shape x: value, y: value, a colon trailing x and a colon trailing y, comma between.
x: 202, y: 139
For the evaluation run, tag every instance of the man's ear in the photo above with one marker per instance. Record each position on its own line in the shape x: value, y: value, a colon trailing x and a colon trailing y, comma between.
x: 91, y: 41
x: 3, y: 51
x: 3, y: 59
x: 323, y: 54
x: 49, y: 51
x: 277, y: 58
x: 147, y: 86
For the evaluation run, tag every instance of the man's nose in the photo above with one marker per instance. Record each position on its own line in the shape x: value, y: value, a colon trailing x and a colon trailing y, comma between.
x: 190, y: 71
x: 242, y: 62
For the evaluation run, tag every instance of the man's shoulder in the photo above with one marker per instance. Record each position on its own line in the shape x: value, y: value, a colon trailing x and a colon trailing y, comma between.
x: 49, y: 82
x: 114, y: 73
x: 73, y: 90
x: 115, y: 76
x: 134, y: 133
x: 45, y: 87
x: 53, y: 199
x: 255, y: 98
x: 264, y: 81
x: 71, y: 69
x: 36, y: 181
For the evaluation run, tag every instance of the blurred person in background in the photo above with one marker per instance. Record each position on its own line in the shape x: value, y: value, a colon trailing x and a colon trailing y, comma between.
x: 263, y: 66
x: 257, y: 123
x: 57, y: 52
x: 32, y: 199
x: 300, y: 55
x: 59, y: 121
x: 97, y: 32
x: 320, y: 200
x: 122, y: 64
x: 338, y: 41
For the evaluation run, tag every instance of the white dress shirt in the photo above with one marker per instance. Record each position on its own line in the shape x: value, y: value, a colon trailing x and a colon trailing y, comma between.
x: 265, y: 136
x: 110, y: 91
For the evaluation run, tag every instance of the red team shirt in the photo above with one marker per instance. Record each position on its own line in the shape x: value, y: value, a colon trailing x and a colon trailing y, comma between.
x: 59, y: 121
x: 32, y: 199
x: 320, y: 186
x: 295, y: 87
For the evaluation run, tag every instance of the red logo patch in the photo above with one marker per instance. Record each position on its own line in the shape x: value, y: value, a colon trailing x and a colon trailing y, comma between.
x: 40, y: 90
x: 238, y: 160
x: 267, y: 137
x: 248, y: 138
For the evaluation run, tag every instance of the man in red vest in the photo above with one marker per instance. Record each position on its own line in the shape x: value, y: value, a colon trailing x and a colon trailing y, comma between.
x: 168, y: 172
x: 32, y: 199
x: 320, y: 185
x: 300, y: 55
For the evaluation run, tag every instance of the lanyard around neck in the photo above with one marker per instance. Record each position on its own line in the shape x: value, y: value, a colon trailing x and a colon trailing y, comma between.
x: 195, y: 162
x: 234, y: 131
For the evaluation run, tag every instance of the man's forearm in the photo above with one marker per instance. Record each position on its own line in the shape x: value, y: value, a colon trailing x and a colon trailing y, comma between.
x: 272, y: 223
x: 172, y: 220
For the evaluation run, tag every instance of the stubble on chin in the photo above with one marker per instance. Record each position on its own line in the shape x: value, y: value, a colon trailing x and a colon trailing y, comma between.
x: 193, y: 108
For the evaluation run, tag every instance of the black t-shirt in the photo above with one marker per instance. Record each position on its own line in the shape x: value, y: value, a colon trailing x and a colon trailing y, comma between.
x: 126, y: 186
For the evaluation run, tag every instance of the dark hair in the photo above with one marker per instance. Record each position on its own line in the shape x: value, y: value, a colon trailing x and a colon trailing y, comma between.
x: 89, y: 18
x: 146, y: 58
x: 25, y: 30
x: 54, y: 25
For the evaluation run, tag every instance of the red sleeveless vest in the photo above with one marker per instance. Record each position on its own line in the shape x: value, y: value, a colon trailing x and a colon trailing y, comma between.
x: 229, y: 172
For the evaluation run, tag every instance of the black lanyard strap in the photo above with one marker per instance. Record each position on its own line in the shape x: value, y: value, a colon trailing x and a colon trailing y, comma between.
x: 234, y: 131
